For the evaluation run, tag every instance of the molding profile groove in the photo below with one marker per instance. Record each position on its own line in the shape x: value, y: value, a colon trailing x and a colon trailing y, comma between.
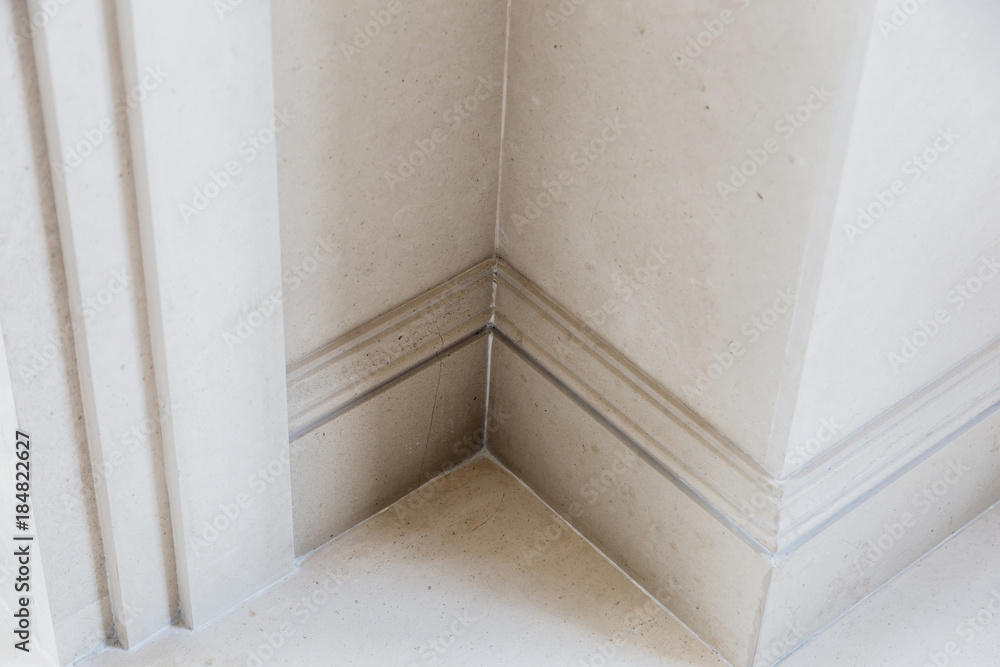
x: 95, y: 209
x: 684, y: 446
x: 776, y: 513
x: 227, y: 415
x: 772, y: 515
x: 171, y: 546
x: 890, y: 445
x: 325, y: 382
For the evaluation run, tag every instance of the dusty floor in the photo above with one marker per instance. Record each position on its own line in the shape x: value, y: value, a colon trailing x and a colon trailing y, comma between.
x: 472, y: 569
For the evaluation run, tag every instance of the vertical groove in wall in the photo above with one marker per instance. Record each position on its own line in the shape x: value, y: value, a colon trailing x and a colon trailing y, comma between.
x: 151, y: 271
x: 141, y: 632
x: 503, y: 121
x: 88, y: 618
x: 496, y: 232
x: 486, y: 402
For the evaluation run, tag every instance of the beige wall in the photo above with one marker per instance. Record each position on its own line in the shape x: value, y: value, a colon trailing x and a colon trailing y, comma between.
x: 388, y: 444
x: 642, y: 243
x: 368, y: 84
x: 359, y: 238
x: 749, y: 301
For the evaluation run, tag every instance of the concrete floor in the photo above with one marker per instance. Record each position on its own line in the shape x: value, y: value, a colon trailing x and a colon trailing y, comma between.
x: 472, y: 569
x: 948, y: 601
x: 456, y: 573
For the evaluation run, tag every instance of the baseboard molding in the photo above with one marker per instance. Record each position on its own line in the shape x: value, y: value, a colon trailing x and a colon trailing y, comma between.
x: 800, y: 546
x: 774, y: 515
x: 827, y: 536
x: 721, y: 476
x: 326, y: 381
x: 889, y: 446
x: 401, y: 434
x: 779, y: 515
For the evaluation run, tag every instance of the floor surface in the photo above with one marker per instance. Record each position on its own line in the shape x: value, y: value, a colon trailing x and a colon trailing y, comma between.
x: 472, y: 569
x: 942, y: 612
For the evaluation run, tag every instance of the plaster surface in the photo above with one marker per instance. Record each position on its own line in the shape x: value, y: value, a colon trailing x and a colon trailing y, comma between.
x: 622, y: 196
x: 945, y: 610
x: 440, y: 578
x: 82, y: 89
x: 911, y: 277
x: 380, y: 449
x: 388, y: 168
x: 672, y: 546
x: 821, y: 579
x: 39, y: 343
x: 212, y: 267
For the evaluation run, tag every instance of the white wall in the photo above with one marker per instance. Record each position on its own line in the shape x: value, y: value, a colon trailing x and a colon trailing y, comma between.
x: 38, y: 337
x: 929, y: 84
